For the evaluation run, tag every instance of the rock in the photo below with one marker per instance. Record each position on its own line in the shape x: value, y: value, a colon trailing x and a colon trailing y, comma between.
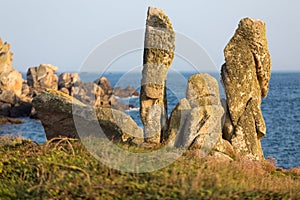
x: 56, y: 110
x: 202, y: 90
x: 5, y: 109
x: 195, y: 123
x: 5, y: 57
x: 159, y: 47
x: 10, y: 79
x: 173, y: 136
x: 8, y: 96
x: 125, y: 93
x: 228, y: 129
x: 104, y: 83
x: 245, y: 77
x: 42, y: 76
x: 21, y: 109
x: 5, y: 120
x: 64, y: 90
x: 67, y: 80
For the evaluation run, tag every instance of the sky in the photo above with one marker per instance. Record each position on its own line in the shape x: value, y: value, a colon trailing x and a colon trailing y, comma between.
x: 65, y: 32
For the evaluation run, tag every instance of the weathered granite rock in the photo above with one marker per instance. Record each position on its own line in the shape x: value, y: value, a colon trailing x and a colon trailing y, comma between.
x: 10, y: 79
x: 159, y: 47
x: 56, y: 110
x: 104, y: 83
x: 245, y: 77
x: 5, y: 57
x: 228, y: 129
x: 68, y: 80
x: 173, y: 136
x: 129, y: 91
x: 42, y: 76
x: 11, y: 86
x: 195, y: 123
x: 202, y: 90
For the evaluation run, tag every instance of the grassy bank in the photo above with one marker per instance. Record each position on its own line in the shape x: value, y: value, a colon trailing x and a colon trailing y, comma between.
x: 65, y: 170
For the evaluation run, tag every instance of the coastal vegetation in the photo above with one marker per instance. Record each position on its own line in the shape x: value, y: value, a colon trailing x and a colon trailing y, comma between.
x: 63, y: 169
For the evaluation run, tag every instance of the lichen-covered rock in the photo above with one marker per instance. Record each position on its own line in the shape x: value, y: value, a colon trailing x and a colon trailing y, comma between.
x: 43, y: 76
x: 202, y: 90
x: 159, y: 47
x: 196, y: 122
x: 245, y: 77
x: 57, y: 110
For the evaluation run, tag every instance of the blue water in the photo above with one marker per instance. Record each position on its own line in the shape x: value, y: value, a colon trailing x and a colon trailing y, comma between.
x: 281, y: 110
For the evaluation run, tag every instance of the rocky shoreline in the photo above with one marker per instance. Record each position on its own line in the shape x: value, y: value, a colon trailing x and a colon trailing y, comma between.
x: 201, y: 121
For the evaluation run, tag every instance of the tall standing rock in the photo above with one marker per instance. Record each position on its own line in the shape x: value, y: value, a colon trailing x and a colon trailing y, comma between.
x: 159, y: 47
x: 10, y: 79
x: 245, y: 77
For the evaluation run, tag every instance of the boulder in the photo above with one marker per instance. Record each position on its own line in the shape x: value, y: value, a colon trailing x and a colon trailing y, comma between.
x: 159, y: 47
x: 245, y: 77
x: 104, y: 83
x: 58, y: 110
x: 173, y: 136
x: 42, y: 76
x: 5, y: 57
x: 6, y: 120
x: 10, y: 79
x: 129, y: 91
x: 195, y: 123
x: 68, y: 80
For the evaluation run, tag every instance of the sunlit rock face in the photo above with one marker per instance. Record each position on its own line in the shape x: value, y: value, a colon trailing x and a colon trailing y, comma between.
x: 159, y: 47
x: 245, y: 77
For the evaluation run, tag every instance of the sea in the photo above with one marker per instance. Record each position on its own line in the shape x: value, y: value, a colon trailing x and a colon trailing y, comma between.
x: 281, y: 110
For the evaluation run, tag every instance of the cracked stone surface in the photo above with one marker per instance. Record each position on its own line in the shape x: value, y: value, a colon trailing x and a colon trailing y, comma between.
x: 245, y: 77
x: 159, y: 47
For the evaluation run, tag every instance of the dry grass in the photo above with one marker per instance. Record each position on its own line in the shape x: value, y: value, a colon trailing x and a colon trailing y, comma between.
x: 63, y: 169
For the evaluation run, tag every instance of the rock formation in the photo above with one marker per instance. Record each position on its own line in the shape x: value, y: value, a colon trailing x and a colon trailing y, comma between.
x: 12, y: 101
x: 195, y: 123
x: 245, y: 77
x: 56, y: 110
x: 66, y: 81
x: 10, y: 79
x: 129, y: 91
x: 42, y: 76
x: 159, y: 47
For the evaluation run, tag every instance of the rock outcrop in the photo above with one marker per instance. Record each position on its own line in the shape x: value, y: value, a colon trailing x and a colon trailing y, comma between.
x: 10, y: 79
x: 129, y: 91
x: 195, y: 123
x: 57, y: 110
x: 68, y: 80
x: 245, y: 77
x: 12, y: 101
x: 42, y: 76
x: 159, y: 47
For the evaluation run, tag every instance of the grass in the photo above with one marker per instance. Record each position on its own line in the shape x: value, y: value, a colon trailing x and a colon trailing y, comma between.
x: 63, y: 169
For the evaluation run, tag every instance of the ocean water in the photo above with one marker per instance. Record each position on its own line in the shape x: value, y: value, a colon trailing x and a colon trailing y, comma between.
x: 281, y: 110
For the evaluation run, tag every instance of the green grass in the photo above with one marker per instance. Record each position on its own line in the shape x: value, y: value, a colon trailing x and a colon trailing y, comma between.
x: 63, y: 169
